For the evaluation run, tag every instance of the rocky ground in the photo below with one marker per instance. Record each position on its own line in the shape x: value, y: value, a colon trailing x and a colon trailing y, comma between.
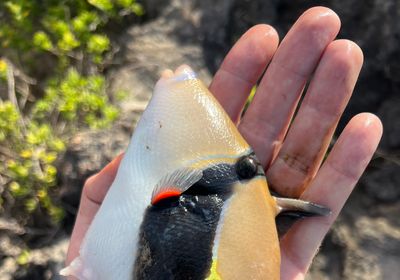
x: 365, y: 241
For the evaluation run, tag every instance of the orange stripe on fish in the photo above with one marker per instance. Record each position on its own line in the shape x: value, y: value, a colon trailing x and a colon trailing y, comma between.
x: 165, y: 195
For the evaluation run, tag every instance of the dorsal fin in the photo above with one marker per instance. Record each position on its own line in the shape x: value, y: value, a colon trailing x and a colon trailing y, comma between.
x: 175, y: 183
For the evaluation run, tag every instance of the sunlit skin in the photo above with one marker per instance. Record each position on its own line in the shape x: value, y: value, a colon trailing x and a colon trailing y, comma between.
x: 291, y: 157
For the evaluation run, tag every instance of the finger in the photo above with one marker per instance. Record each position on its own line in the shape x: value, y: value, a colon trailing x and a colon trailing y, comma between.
x: 331, y: 187
x: 96, y: 187
x: 93, y: 193
x: 312, y: 129
x: 267, y: 119
x: 242, y: 67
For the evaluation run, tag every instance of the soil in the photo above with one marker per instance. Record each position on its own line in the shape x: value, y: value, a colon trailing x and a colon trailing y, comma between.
x: 365, y: 241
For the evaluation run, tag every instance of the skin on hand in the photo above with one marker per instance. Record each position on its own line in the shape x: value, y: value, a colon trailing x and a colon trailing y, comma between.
x: 292, y: 157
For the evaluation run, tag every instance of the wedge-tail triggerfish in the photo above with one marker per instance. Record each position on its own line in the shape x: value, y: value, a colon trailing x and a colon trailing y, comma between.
x: 190, y: 199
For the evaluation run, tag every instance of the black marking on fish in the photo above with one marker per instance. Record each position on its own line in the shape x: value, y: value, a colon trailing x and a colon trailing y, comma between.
x: 176, y: 238
x: 216, y: 177
x: 177, y: 234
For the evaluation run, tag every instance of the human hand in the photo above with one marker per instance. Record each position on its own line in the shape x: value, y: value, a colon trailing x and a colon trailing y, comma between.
x: 291, y: 156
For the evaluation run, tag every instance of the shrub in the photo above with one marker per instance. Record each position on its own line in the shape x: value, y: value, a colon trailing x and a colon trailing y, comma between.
x: 53, y: 54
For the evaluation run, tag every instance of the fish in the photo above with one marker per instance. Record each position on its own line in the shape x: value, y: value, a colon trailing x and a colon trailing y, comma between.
x: 190, y: 199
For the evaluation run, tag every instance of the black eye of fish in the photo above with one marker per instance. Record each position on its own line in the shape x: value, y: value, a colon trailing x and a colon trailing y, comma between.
x: 246, y: 167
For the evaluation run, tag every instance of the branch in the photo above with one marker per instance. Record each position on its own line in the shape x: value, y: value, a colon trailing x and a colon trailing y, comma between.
x: 25, y: 78
x: 11, y: 84
x: 11, y: 88
x: 8, y: 153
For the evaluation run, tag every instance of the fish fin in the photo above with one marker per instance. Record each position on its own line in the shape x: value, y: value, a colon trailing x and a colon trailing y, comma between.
x: 175, y: 183
x: 290, y: 210
x: 76, y: 269
x: 299, y: 208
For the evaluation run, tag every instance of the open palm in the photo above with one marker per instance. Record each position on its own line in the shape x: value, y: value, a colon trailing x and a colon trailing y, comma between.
x: 292, y: 156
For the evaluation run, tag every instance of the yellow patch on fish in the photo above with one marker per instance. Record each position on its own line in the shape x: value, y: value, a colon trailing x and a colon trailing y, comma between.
x: 213, y: 272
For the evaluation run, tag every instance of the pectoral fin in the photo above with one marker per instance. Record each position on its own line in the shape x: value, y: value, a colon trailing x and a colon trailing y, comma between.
x: 175, y: 183
x: 299, y: 208
x: 290, y: 210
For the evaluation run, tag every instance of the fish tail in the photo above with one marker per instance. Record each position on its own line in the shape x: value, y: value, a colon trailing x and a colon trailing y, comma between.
x: 76, y: 269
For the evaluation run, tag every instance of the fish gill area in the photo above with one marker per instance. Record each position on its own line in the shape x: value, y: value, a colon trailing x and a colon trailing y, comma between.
x: 364, y: 243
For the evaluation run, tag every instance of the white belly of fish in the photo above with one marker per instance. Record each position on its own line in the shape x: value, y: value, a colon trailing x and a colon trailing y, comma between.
x: 181, y: 124
x: 109, y: 247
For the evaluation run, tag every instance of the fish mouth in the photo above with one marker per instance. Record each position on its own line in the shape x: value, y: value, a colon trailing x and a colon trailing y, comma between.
x: 182, y: 73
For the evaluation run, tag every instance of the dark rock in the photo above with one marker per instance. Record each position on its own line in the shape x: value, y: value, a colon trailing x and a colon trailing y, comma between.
x: 372, y: 24
x: 390, y: 114
x: 43, y: 263
x: 383, y: 183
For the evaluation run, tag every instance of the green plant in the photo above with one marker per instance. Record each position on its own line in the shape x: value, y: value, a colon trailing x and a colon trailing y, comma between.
x: 32, y: 144
x: 53, y: 54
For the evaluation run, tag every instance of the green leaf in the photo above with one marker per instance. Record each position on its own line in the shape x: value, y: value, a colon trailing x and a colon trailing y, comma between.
x: 86, y: 22
x: 104, y: 5
x: 56, y: 26
x: 125, y: 3
x: 50, y: 171
x: 23, y: 258
x: 56, y: 213
x: 15, y: 9
x: 31, y: 204
x: 42, y: 41
x: 57, y: 144
x: 137, y: 9
x: 98, y: 44
x: 110, y: 113
x: 17, y: 190
x: 27, y: 153
x: 68, y: 42
x: 9, y: 120
x: 121, y: 95
x: 20, y: 171
x: 3, y: 69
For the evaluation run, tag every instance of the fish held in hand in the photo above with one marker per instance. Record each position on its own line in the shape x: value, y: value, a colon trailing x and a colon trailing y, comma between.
x: 190, y: 199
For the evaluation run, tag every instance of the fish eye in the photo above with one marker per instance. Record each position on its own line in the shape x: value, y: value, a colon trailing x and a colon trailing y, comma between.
x: 246, y: 167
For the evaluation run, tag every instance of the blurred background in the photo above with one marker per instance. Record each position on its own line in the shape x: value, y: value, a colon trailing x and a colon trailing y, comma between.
x: 75, y: 76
